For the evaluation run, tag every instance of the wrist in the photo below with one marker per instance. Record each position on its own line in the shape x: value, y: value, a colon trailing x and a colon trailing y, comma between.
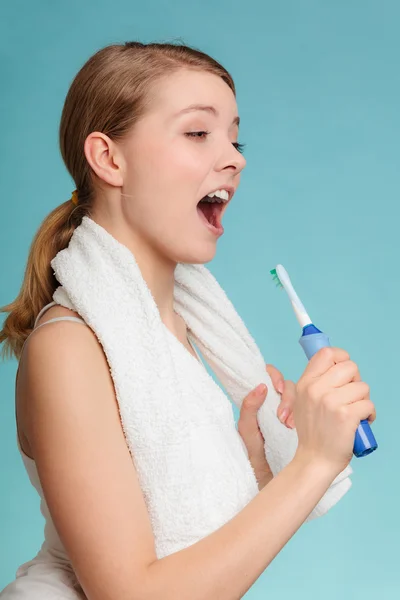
x: 309, y: 463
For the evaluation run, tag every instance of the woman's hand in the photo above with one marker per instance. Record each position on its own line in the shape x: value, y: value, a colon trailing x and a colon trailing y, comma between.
x: 248, y: 425
x: 331, y: 401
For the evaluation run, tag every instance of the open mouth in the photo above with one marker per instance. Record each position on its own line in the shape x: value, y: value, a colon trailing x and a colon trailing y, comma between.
x: 212, y: 207
x: 212, y: 211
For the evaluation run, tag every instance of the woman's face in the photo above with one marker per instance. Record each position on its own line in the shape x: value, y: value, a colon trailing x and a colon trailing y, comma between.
x: 177, y: 154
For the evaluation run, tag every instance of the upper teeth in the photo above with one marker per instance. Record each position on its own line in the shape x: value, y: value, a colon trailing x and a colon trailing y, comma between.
x: 222, y: 195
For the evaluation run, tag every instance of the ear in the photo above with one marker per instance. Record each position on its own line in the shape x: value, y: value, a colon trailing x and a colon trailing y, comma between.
x: 105, y: 158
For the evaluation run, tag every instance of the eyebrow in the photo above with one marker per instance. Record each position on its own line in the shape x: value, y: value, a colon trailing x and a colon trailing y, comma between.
x: 204, y: 107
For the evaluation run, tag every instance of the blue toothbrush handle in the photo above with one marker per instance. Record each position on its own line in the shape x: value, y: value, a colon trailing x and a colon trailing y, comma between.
x: 313, y: 340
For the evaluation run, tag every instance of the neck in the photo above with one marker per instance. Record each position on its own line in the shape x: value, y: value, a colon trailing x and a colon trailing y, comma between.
x: 157, y: 271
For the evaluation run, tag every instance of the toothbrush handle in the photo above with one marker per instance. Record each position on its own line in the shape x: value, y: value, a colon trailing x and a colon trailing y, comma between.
x: 364, y: 442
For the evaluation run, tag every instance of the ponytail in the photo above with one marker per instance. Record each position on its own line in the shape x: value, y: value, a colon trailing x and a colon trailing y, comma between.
x: 39, y: 283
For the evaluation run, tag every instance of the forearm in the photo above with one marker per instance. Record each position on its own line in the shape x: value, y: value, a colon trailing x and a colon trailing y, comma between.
x: 226, y: 563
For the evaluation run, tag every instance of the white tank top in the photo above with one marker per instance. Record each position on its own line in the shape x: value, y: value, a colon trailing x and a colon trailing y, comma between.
x: 49, y: 575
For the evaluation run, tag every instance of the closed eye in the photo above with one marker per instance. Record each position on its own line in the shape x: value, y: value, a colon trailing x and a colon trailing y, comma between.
x: 198, y: 134
x: 203, y: 134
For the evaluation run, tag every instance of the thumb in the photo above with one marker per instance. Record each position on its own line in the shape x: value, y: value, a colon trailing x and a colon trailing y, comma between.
x: 255, y: 398
x: 247, y: 424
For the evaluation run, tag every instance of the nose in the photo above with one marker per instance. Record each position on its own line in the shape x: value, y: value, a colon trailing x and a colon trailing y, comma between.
x: 231, y: 159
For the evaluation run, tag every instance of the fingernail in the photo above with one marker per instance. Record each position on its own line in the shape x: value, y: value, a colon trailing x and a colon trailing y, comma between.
x: 281, y: 387
x: 290, y: 422
x: 283, y: 415
x: 261, y: 389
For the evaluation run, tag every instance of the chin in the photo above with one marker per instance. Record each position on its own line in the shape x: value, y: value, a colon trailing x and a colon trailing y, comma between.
x: 204, y: 253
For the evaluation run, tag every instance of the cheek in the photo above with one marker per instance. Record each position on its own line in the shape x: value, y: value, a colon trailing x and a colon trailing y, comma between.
x: 180, y: 161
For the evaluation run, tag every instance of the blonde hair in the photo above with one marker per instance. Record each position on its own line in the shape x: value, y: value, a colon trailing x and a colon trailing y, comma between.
x: 109, y: 94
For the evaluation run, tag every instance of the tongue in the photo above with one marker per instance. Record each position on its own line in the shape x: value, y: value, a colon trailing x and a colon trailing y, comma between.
x: 211, y: 211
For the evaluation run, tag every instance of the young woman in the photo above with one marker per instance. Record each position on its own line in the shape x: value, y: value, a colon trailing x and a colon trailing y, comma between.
x: 147, y: 131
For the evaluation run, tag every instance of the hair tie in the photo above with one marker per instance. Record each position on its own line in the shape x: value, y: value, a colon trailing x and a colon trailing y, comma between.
x: 74, y: 197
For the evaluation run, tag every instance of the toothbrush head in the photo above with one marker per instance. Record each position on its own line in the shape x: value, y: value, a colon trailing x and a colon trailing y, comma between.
x: 282, y: 280
x: 275, y: 277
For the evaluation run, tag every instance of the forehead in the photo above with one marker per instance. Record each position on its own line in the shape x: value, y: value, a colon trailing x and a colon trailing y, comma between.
x: 187, y: 87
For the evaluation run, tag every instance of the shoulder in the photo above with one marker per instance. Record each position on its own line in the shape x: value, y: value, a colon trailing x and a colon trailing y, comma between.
x: 68, y: 350
x: 62, y: 365
x: 61, y: 346
x: 63, y: 373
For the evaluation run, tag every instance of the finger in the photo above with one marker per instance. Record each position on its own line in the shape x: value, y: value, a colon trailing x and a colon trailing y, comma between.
x: 285, y: 408
x: 253, y: 401
x: 276, y: 378
x: 248, y: 423
x: 357, y: 392
x: 372, y: 417
x: 364, y: 409
x: 350, y: 393
x: 290, y: 421
x: 340, y: 374
x: 323, y: 360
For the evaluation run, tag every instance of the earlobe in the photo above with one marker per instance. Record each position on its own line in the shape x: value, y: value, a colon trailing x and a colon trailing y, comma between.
x: 103, y: 157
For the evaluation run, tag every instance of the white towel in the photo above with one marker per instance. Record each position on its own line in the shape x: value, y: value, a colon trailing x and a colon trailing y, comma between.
x: 178, y: 423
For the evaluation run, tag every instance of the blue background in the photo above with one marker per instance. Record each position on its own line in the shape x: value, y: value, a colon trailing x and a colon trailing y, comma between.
x: 319, y: 97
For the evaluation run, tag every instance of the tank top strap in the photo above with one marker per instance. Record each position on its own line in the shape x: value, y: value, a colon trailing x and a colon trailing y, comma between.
x: 45, y: 308
x: 41, y: 313
x: 74, y: 319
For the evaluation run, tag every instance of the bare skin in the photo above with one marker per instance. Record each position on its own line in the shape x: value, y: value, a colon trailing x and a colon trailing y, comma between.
x: 147, y: 191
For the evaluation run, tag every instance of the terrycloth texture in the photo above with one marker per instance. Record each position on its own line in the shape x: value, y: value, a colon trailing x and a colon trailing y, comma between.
x: 190, y: 461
